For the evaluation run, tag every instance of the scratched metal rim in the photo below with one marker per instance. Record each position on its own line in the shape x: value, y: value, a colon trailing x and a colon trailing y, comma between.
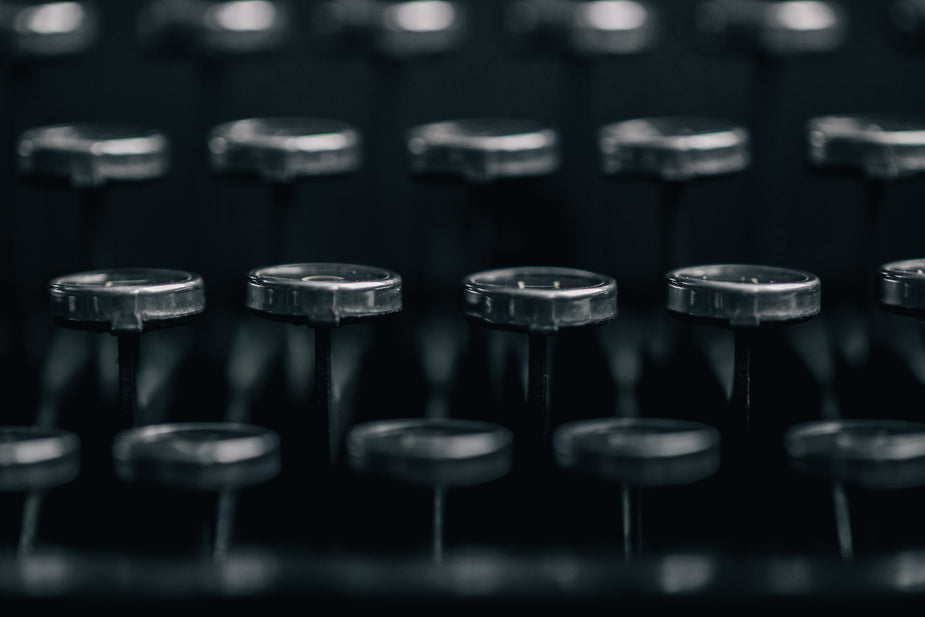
x: 743, y: 295
x: 902, y: 286
x: 540, y: 299
x: 126, y: 299
x: 323, y: 293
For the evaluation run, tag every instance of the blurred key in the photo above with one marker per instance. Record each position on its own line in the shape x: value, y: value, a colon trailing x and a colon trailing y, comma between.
x: 877, y: 455
x: 638, y: 453
x: 88, y: 158
x: 217, y: 459
x: 436, y: 453
x: 33, y: 461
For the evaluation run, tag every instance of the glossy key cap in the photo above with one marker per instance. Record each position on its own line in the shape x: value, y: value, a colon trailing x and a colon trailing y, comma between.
x: 32, y: 461
x: 902, y: 287
x: 636, y: 453
x: 322, y: 296
x: 673, y: 151
x: 874, y: 454
x: 438, y: 453
x: 126, y: 303
x: 204, y: 457
x: 539, y: 301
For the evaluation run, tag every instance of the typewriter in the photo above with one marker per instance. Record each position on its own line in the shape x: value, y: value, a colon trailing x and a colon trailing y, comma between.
x: 280, y: 274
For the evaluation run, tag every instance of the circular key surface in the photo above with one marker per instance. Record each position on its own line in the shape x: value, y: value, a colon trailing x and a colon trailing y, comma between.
x: 197, y: 455
x: 323, y: 294
x: 209, y: 28
x: 284, y: 149
x: 432, y: 452
x: 540, y: 299
x: 675, y: 149
x: 902, y: 287
x: 397, y: 30
x: 484, y: 150
x: 127, y: 299
x: 47, y: 29
x: 881, y: 147
x: 33, y: 458
x: 88, y: 155
x: 782, y: 28
x: 740, y: 295
x: 639, y: 451
x: 872, y: 453
x: 587, y: 29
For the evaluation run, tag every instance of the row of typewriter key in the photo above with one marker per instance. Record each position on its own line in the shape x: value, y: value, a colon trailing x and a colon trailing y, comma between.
x: 446, y: 453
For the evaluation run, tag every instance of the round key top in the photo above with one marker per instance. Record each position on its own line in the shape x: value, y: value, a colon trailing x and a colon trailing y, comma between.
x: 92, y: 155
x: 879, y: 147
x: 639, y: 451
x: 432, y: 452
x: 126, y: 300
x: 879, y: 454
x: 394, y: 29
x: 776, y: 28
x: 208, y: 456
x: 483, y: 150
x: 35, y: 459
x: 284, y: 149
x: 539, y: 299
x: 902, y: 287
x: 323, y: 294
x: 211, y: 28
x: 585, y: 28
x: 47, y: 29
x: 743, y: 296
x: 674, y: 148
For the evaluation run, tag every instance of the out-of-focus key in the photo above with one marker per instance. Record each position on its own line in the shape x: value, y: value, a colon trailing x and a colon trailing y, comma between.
x: 220, y: 458
x: 30, y: 31
x: 87, y: 158
x: 33, y: 461
x: 873, y: 454
x: 437, y: 453
x: 638, y: 453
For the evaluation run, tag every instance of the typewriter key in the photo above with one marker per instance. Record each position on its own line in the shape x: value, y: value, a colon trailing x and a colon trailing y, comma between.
x: 30, y: 30
x: 638, y: 453
x: 213, y: 29
x: 439, y: 453
x: 874, y: 454
x: 126, y: 302
x: 743, y: 297
x: 204, y: 457
x: 539, y: 301
x: 673, y: 151
x: 280, y: 152
x: 32, y: 461
x: 902, y: 287
x: 87, y: 157
x: 322, y: 296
